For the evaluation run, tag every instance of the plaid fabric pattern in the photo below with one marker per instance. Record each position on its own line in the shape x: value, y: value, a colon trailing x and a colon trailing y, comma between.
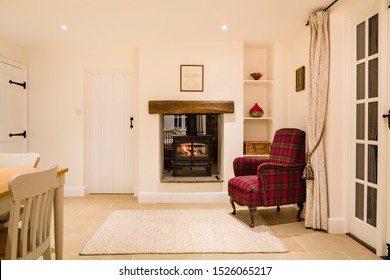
x: 246, y: 166
x: 245, y: 191
x: 282, y: 184
x: 278, y: 180
x: 288, y: 146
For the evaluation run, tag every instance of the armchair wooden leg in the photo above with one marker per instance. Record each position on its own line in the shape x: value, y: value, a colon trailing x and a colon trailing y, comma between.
x: 278, y: 208
x: 300, y: 205
x: 252, y: 212
x: 234, y: 207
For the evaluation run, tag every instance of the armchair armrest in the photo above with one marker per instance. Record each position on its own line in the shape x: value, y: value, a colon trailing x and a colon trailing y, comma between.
x: 281, y: 183
x: 246, y: 166
x: 280, y: 166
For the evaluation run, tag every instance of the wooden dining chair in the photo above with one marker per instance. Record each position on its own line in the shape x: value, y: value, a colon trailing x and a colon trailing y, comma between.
x: 19, y: 159
x: 28, y: 235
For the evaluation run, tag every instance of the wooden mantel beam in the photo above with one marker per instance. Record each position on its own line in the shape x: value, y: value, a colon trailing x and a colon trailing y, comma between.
x: 182, y: 107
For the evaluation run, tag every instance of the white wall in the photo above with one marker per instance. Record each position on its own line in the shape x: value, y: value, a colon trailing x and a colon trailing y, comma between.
x: 160, y: 80
x: 56, y: 104
x: 298, y: 56
x: 14, y: 52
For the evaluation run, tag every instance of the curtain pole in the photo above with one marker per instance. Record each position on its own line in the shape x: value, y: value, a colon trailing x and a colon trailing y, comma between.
x: 327, y: 8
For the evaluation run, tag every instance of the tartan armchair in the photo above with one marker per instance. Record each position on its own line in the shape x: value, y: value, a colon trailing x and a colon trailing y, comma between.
x: 271, y: 182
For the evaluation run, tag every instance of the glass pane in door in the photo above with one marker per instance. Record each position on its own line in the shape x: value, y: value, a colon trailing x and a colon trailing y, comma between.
x: 360, y: 161
x: 360, y: 38
x: 373, y: 121
x: 360, y: 123
x: 373, y: 35
x: 360, y: 81
x: 372, y: 163
x: 373, y: 78
x: 359, y: 201
x: 371, y: 206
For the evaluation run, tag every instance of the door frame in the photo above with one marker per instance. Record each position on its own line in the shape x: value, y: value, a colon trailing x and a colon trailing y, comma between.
x: 386, y: 87
x: 25, y: 97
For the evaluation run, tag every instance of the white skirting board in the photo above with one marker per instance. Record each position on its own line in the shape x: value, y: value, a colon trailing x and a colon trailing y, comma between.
x: 210, y: 197
x: 336, y: 225
x: 154, y: 197
x: 79, y: 191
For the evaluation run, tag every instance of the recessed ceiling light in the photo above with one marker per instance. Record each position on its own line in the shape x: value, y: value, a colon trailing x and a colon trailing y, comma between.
x: 64, y: 27
x: 224, y: 27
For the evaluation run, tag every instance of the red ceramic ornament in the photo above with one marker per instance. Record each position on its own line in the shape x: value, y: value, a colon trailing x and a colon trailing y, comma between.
x: 256, y: 111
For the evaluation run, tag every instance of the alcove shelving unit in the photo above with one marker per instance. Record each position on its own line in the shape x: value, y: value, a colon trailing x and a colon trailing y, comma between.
x: 256, y: 59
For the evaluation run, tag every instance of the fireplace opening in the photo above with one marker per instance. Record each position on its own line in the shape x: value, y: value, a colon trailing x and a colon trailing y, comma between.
x: 191, y: 145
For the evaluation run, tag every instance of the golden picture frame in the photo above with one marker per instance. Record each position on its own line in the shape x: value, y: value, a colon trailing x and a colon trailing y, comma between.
x: 191, y: 78
x: 300, y: 79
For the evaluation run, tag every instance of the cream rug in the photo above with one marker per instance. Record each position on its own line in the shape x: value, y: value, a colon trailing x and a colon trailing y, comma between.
x: 181, y: 231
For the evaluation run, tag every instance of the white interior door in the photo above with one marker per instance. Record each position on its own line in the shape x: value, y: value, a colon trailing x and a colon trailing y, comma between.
x: 13, y: 107
x: 111, y: 133
x: 368, y: 211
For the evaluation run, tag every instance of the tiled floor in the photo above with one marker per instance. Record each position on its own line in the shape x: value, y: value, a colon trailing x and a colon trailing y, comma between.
x: 83, y: 216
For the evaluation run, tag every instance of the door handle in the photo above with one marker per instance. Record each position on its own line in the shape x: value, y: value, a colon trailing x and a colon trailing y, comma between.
x: 131, y: 122
x: 18, y: 134
x: 388, y: 118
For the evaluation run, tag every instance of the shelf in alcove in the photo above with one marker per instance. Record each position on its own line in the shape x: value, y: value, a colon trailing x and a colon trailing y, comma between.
x: 257, y: 81
x: 257, y: 119
x: 257, y: 156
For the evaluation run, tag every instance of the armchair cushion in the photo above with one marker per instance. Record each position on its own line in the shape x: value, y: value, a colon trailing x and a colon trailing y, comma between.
x: 245, y: 191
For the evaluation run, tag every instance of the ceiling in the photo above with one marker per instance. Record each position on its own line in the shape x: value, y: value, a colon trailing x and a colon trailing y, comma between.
x: 109, y: 23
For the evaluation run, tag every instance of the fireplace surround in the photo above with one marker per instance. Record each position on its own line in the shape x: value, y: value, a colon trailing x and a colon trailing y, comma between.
x: 191, y: 150
x: 182, y: 107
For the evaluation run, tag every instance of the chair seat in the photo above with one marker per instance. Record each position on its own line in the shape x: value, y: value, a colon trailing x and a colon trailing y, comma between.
x: 245, y: 190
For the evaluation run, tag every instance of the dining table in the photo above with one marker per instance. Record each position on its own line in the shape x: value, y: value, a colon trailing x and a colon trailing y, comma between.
x: 58, y: 206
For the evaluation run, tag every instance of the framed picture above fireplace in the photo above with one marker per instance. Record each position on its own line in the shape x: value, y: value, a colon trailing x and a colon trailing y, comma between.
x: 191, y: 78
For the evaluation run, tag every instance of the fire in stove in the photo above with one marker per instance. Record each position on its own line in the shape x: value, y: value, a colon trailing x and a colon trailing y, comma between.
x: 188, y: 150
x: 191, y: 151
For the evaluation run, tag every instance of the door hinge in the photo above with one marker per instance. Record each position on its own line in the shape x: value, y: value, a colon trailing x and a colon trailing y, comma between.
x: 19, y: 84
x: 18, y: 134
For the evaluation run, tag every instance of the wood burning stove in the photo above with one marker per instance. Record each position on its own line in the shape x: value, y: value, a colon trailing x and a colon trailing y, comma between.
x: 191, y: 151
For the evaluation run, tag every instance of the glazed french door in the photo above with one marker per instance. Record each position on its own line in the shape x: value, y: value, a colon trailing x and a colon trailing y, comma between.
x: 369, y: 137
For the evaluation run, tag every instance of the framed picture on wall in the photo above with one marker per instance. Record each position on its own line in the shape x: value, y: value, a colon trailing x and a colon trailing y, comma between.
x: 191, y: 78
x: 300, y: 79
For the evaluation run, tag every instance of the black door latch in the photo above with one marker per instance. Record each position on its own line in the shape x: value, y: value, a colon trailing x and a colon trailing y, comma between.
x: 388, y: 118
x: 18, y: 134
